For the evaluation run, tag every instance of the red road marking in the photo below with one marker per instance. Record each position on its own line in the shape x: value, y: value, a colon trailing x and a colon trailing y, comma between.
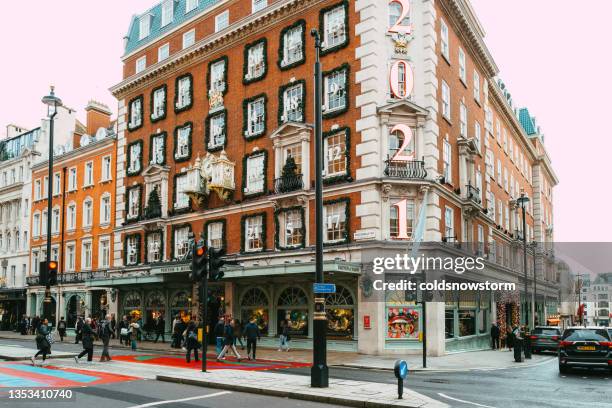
x: 212, y: 364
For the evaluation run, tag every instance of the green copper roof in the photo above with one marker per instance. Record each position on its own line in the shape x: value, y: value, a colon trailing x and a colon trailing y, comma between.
x: 527, y: 121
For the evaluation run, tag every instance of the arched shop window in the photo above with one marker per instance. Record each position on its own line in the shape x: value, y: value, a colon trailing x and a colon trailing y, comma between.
x: 340, y: 308
x: 293, y: 307
x: 254, y: 305
x: 156, y: 305
x: 181, y: 305
x: 403, y: 315
x: 131, y: 305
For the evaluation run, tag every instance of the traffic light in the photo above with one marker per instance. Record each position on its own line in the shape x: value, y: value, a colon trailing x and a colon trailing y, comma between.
x: 42, y: 273
x: 215, y: 263
x: 198, y: 263
x: 52, y: 273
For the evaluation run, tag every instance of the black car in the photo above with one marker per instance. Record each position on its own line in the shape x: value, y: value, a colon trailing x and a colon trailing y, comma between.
x: 589, y: 347
x: 545, y: 338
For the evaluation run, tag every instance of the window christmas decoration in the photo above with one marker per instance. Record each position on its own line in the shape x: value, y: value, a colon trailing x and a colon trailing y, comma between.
x: 153, y: 208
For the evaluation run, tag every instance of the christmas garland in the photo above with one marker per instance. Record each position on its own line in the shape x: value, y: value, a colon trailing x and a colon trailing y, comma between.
x: 243, y: 231
x: 245, y: 160
x: 178, y: 211
x: 149, y: 234
x: 152, y: 103
x: 245, y: 116
x: 176, y: 93
x: 281, y: 46
x: 207, y: 138
x: 138, y: 237
x: 322, y: 13
x: 225, y: 69
x: 141, y: 99
x: 176, y: 130
x: 163, y: 135
x: 347, y: 71
x: 277, y: 214
x: 347, y: 216
x: 127, y: 204
x: 281, y: 100
x: 245, y: 65
x: 173, y: 232
x: 223, y: 229
x: 129, y: 158
x: 347, y: 154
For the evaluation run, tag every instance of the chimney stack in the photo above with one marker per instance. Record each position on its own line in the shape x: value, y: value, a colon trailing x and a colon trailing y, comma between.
x: 98, y: 115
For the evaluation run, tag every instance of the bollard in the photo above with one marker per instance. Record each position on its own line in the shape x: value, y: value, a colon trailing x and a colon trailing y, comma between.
x: 401, y: 372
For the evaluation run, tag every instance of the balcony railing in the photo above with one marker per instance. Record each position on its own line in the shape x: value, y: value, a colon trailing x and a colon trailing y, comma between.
x: 413, y: 169
x: 287, y: 184
x: 473, y: 194
x: 70, y: 277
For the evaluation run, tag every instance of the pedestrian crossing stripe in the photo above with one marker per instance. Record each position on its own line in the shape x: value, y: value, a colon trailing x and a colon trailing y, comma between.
x: 10, y: 382
x: 65, y: 375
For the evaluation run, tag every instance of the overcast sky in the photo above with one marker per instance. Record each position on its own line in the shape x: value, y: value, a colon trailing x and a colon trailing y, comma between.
x: 554, y: 57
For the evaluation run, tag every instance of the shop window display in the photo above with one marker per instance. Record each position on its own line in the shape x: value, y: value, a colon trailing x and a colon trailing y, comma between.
x: 340, y: 313
x: 255, y: 306
x: 403, y: 322
x: 293, y: 307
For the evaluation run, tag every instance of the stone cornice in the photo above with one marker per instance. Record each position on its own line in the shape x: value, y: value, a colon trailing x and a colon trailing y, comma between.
x: 200, y: 51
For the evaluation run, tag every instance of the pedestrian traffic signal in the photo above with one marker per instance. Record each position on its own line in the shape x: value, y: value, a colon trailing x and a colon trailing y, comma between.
x: 215, y: 263
x: 52, y: 273
x: 198, y: 264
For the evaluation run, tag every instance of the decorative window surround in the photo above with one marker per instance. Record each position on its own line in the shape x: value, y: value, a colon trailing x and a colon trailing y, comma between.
x: 157, y: 176
x: 294, y: 232
x: 135, y: 115
x: 291, y: 52
x: 254, y: 125
x: 183, y: 93
x: 292, y: 102
x: 251, y: 231
x: 179, y: 244
x: 157, y: 149
x: 255, y: 66
x: 182, y: 142
x: 154, y: 246
x: 131, y: 249
x: 336, y: 100
x: 216, y: 131
x: 335, y: 34
x: 333, y: 221
x: 246, y: 182
x: 207, y: 231
x: 158, y: 103
x: 338, y: 154
x: 134, y: 158
x: 292, y: 134
x: 133, y: 203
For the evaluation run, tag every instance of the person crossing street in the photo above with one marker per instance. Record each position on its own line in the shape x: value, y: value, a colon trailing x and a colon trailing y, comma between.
x: 251, y: 331
x: 43, y: 343
x: 228, y: 342
x: 87, y: 340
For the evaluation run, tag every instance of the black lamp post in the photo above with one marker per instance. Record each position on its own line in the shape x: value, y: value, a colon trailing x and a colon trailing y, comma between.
x: 534, y: 245
x: 319, y: 373
x: 52, y: 102
x: 522, y: 201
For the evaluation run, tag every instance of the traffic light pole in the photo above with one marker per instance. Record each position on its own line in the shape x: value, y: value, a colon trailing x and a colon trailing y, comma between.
x: 49, y: 203
x: 204, y: 299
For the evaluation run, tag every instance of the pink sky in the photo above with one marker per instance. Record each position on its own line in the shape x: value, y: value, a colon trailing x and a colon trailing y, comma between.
x: 552, y: 56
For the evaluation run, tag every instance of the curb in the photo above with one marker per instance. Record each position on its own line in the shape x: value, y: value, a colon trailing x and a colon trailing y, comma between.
x: 282, y: 394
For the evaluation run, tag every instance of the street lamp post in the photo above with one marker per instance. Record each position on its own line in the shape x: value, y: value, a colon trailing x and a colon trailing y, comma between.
x: 52, y: 102
x: 319, y: 373
x: 534, y: 245
x: 522, y: 201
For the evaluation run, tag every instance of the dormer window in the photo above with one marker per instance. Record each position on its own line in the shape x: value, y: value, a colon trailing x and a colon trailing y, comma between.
x: 144, y: 25
x: 158, y: 103
x: 255, y: 109
x: 135, y: 113
x: 141, y: 64
x: 335, y: 98
x: 134, y: 158
x: 292, y: 45
x: 191, y: 5
x: 182, y: 142
x: 259, y: 5
x: 157, y: 153
x: 292, y: 103
x: 167, y: 14
x: 184, y: 93
x: 216, y: 131
x: 217, y: 75
x: 335, y: 27
x: 255, y: 56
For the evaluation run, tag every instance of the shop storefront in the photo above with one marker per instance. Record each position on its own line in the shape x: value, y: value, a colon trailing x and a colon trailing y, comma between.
x: 466, y: 320
x: 254, y: 305
x: 403, y: 322
x: 180, y: 305
x: 131, y: 305
x: 340, y: 308
x: 155, y: 307
x: 292, y: 308
x: 12, y: 308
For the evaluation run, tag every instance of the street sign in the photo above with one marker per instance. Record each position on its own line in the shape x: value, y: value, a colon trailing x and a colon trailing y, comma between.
x: 324, y: 288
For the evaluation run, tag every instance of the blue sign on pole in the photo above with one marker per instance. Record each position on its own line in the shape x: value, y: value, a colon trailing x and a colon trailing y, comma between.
x: 324, y: 288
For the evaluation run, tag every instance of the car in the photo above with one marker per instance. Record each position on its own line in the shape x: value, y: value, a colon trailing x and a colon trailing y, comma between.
x: 587, y: 347
x: 545, y: 338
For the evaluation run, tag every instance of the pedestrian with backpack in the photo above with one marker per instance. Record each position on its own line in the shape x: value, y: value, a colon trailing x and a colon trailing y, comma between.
x: 191, y: 341
x: 44, y: 339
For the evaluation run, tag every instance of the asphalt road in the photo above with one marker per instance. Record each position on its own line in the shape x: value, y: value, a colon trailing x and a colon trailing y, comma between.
x: 69, y: 346
x: 539, y: 386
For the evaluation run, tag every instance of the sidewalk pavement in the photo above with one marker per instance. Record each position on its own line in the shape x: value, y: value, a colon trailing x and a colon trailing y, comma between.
x: 17, y: 353
x: 484, y: 360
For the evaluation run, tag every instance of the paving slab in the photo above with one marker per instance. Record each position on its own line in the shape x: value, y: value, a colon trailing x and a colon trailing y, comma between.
x: 13, y: 353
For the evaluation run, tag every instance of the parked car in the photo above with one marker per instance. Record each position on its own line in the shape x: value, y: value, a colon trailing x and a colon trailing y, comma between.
x: 588, y: 347
x: 545, y: 338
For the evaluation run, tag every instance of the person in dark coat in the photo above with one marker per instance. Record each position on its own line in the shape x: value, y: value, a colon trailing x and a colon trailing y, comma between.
x: 61, y: 328
x: 87, y: 340
x: 113, y: 323
x: 42, y: 342
x: 34, y: 324
x: 24, y: 326
x: 509, y: 338
x: 218, y: 332
x: 78, y: 330
x: 228, y: 342
x: 238, y: 333
x: 252, y: 334
x: 160, y: 328
x: 106, y: 331
x: 494, y: 336
x: 191, y: 341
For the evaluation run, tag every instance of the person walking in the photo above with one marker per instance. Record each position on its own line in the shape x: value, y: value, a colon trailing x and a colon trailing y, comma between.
x: 228, y: 342
x: 124, y: 331
x: 219, y: 332
x: 509, y: 338
x: 251, y: 331
x: 238, y: 334
x: 134, y: 332
x: 160, y: 328
x: 106, y: 331
x: 87, y: 338
x: 175, y: 333
x: 113, y: 325
x: 191, y: 341
x: 78, y: 330
x: 284, y: 336
x: 494, y: 336
x: 43, y: 344
x: 24, y: 326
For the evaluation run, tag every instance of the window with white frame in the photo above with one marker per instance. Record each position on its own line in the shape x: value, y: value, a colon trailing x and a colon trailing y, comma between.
x: 449, y: 224
x: 334, y: 23
x: 141, y: 64
x: 481, y: 242
x: 217, y: 128
x: 35, y: 225
x: 181, y: 242
x: 191, y: 5
x: 397, y: 231
x: 335, y: 155
x: 167, y: 14
x: 396, y: 140
x: 163, y: 52
x: 500, y: 211
x: 35, y: 261
x: 256, y: 63
x: 293, y: 47
x: 37, y: 190
x: 478, y: 136
x: 447, y: 168
x: 158, y: 149
x: 335, y: 90
x: 70, y: 258
x: 444, y: 44
x: 291, y: 232
x: 258, y: 5
x: 55, y: 220
x: 499, y: 172
x: 292, y: 104
x: 462, y: 69
x: 489, y: 163
x: 446, y: 107
x: 395, y: 12
x: 221, y: 21
x: 135, y: 158
x: 71, y: 216
x: 217, y: 76
x: 189, y: 38
x: 144, y: 25
x: 183, y: 97
x: 87, y: 212
x: 183, y: 142
x: 106, y: 168
x: 86, y: 254
x: 154, y: 247
x: 479, y: 184
x: 256, y: 110
x: 104, y: 252
x: 476, y: 86
x: 88, y: 180
x: 488, y: 119
x: 135, y: 113
x: 491, y: 205
x: 159, y: 103
x: 505, y: 141
x: 132, y: 247
x: 43, y: 225
x: 507, y: 217
x: 133, y: 202
x: 214, y: 235
x: 506, y: 179
x: 181, y: 199
x: 72, y: 179
x: 253, y: 233
x: 105, y: 209
x: 334, y: 217
x: 255, y: 175
x: 462, y: 119
x: 294, y: 151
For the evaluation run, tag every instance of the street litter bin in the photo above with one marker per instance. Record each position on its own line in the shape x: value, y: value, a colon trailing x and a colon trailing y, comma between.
x: 518, y: 350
